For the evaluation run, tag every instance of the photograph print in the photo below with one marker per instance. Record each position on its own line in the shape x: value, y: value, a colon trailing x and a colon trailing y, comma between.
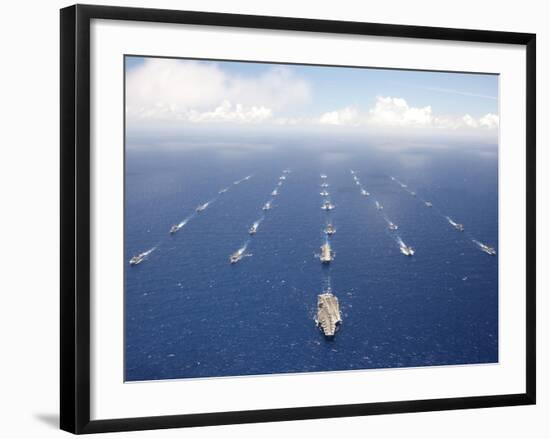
x: 293, y: 218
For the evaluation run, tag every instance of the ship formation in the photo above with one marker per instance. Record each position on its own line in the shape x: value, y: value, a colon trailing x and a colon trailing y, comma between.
x: 253, y: 229
x: 454, y: 224
x: 175, y: 228
x: 328, y: 316
x: 404, y: 249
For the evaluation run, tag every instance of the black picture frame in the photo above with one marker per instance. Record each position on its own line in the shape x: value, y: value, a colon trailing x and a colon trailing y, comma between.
x: 75, y: 217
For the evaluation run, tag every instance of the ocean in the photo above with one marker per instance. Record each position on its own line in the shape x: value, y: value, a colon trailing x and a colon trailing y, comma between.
x: 189, y: 313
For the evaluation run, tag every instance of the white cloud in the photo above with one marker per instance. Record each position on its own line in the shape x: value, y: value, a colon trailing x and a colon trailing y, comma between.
x: 469, y: 121
x: 227, y: 112
x: 192, y: 91
x: 165, y: 93
x: 489, y: 121
x: 345, y: 116
x: 396, y: 111
x: 393, y: 112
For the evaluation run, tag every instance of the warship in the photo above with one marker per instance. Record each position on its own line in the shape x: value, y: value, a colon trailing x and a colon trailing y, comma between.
x: 253, y: 228
x: 406, y: 249
x: 485, y: 248
x: 456, y: 225
x: 326, y: 255
x: 138, y: 259
x: 201, y: 207
x: 328, y: 317
x: 237, y: 256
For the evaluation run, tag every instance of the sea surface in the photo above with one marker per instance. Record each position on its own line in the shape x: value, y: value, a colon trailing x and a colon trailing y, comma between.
x: 190, y: 313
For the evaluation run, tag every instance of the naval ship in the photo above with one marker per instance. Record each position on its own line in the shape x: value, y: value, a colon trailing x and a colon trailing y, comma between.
x: 237, y: 256
x: 201, y: 207
x: 282, y: 177
x: 327, y: 205
x: 485, y: 248
x: 174, y: 229
x: 330, y: 229
x: 428, y: 204
x: 324, y: 193
x: 324, y: 185
x: 323, y: 176
x: 274, y: 193
x: 326, y: 255
x: 392, y: 226
x: 328, y: 313
x: 138, y: 259
x: 267, y: 206
x: 253, y: 228
x: 456, y: 225
x: 406, y: 249
x: 364, y: 192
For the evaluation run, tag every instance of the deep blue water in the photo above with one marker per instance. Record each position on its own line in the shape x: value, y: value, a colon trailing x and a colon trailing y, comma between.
x: 189, y: 313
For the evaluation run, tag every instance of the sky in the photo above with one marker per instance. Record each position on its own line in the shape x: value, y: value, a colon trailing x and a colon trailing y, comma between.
x: 166, y: 94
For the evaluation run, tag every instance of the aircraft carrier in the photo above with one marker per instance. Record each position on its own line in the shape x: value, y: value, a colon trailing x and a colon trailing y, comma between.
x: 328, y: 313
